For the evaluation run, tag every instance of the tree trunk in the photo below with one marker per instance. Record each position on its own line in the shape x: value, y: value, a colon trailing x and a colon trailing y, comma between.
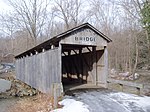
x: 148, y: 43
x: 136, y: 57
x: 130, y: 57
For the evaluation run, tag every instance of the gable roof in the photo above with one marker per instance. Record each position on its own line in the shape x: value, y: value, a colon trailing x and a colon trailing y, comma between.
x: 61, y: 36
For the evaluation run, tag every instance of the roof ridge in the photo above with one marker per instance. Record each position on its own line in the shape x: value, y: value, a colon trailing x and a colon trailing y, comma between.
x: 59, y: 37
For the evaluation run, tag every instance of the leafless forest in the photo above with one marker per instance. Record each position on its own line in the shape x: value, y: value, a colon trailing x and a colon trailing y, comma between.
x: 31, y: 22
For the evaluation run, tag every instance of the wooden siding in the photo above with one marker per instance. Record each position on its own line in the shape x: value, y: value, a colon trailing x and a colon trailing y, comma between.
x: 41, y: 70
x: 106, y: 66
x: 102, y: 67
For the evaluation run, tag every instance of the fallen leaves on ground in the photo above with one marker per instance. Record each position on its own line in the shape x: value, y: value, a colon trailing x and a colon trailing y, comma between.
x: 38, y: 103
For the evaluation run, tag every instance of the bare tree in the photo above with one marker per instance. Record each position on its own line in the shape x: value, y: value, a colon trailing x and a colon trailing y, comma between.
x: 31, y: 15
x: 133, y: 9
x: 104, y: 14
x: 122, y: 26
x: 8, y: 27
x: 69, y: 11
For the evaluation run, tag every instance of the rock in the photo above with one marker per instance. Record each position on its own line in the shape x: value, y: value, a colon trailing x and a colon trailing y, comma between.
x: 126, y: 74
x: 147, y: 94
x: 1, y: 66
x: 146, y: 91
x: 131, y: 77
x: 4, y: 85
x: 136, y: 75
x: 17, y: 87
x: 113, y: 73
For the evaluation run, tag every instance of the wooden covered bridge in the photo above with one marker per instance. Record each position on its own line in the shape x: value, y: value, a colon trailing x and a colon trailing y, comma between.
x: 78, y: 55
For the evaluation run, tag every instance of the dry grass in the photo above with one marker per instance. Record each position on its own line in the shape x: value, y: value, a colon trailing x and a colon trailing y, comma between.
x: 143, y: 79
x: 38, y: 103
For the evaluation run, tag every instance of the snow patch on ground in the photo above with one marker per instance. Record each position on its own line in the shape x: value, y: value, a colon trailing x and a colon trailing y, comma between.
x: 104, y: 101
x: 129, y: 100
x: 71, y: 105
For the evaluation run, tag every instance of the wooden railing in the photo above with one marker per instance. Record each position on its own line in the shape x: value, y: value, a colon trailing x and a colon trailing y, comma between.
x: 121, y: 83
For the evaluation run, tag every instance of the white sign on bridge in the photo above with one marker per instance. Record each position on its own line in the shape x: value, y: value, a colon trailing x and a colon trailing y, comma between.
x: 84, y: 37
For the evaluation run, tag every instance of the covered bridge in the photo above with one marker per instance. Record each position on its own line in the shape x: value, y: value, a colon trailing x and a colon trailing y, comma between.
x: 78, y: 55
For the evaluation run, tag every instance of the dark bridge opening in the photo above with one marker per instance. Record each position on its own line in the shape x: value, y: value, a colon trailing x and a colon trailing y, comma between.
x: 79, y: 64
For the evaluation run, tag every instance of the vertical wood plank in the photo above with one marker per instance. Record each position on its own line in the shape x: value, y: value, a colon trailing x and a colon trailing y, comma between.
x: 106, y: 66
x: 40, y: 70
x: 94, y: 71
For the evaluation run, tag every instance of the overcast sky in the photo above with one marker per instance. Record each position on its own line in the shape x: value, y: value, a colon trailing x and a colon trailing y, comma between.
x: 3, y: 6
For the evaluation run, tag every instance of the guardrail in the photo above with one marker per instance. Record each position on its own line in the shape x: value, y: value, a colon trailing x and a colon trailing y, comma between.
x: 139, y: 87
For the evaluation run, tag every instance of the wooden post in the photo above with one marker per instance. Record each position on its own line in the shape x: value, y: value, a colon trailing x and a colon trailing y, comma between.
x: 36, y: 52
x: 55, y: 95
x: 60, y: 61
x: 138, y: 91
x: 52, y: 46
x: 56, y: 92
x: 69, y: 75
x: 43, y: 50
x: 81, y: 65
x: 94, y: 71
x: 106, y: 65
x: 121, y: 87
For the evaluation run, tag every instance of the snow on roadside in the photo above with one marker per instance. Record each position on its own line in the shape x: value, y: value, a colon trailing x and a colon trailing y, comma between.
x: 98, y: 101
x: 71, y: 105
x: 128, y: 99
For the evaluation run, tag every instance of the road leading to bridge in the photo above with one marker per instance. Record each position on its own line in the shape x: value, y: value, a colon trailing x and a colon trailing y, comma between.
x: 109, y: 101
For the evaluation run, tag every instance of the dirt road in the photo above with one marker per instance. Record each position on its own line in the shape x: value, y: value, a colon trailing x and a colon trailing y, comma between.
x: 5, y: 104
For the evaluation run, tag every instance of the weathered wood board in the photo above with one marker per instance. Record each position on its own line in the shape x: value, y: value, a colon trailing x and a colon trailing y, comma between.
x: 41, y: 70
x: 84, y: 36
